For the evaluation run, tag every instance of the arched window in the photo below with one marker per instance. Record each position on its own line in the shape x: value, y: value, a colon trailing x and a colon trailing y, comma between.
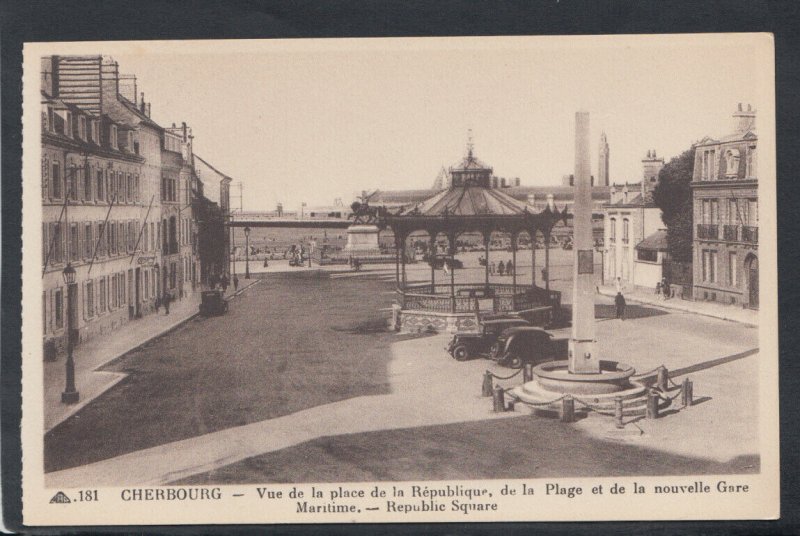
x: 613, y: 228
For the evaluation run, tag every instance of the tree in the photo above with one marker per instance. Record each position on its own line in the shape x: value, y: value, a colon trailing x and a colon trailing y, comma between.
x: 673, y: 196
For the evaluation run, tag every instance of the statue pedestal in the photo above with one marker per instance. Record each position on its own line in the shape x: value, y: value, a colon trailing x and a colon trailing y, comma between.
x: 362, y: 239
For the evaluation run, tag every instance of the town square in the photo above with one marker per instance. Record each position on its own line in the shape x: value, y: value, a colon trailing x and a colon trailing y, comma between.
x: 359, y: 262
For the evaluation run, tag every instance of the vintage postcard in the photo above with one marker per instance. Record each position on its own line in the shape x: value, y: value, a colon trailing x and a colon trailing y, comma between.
x: 400, y: 280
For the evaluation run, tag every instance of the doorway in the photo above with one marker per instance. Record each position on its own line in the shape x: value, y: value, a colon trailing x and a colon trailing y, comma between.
x: 137, y: 286
x: 752, y: 280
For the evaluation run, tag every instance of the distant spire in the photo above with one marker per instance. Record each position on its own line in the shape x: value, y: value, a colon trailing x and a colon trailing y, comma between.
x: 470, y: 144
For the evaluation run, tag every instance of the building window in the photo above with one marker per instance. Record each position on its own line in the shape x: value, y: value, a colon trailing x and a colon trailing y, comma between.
x: 57, y: 246
x: 99, y: 186
x: 56, y: 180
x: 88, y: 241
x: 68, y: 124
x: 82, y: 127
x: 71, y: 179
x: 136, y: 188
x: 625, y: 230
x: 89, y: 299
x: 74, y: 252
x: 732, y: 270
x: 58, y: 308
x: 647, y: 255
x: 613, y: 228
x: 709, y: 266
x: 752, y: 212
x: 96, y: 132
x: 750, y: 168
x: 87, y: 185
x: 131, y: 189
x: 112, y: 137
x: 102, y: 295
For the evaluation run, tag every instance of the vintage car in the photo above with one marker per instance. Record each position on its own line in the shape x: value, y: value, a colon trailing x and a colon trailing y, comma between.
x: 213, y: 303
x: 466, y: 345
x: 516, y: 346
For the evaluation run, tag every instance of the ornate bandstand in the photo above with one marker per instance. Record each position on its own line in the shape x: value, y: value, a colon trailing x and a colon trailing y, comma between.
x: 469, y: 205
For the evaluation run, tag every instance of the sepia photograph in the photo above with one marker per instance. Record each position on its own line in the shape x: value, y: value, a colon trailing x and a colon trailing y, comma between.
x: 381, y: 280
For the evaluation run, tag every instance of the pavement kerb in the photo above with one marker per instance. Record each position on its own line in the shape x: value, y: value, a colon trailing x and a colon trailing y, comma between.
x: 676, y: 307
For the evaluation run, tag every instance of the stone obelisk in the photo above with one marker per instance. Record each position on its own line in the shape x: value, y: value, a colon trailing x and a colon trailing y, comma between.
x: 583, y: 358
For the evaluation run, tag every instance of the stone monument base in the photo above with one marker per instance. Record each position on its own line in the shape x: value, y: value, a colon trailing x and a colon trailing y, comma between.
x: 362, y: 239
x: 552, y: 380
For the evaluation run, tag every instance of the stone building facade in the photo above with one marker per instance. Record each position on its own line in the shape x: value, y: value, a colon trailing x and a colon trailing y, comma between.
x: 103, y: 209
x: 629, y: 218
x: 725, y: 209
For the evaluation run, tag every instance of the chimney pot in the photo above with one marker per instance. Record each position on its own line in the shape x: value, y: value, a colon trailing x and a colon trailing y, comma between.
x: 749, y: 108
x: 740, y: 106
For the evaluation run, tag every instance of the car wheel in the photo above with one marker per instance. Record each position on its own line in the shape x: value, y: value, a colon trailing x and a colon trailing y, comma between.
x: 513, y: 361
x: 460, y: 353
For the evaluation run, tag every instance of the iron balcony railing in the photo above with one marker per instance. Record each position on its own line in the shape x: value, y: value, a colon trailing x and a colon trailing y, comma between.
x: 707, y: 231
x: 750, y: 234
x: 730, y: 233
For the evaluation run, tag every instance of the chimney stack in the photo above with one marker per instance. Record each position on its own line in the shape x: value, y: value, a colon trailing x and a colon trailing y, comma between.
x: 745, y: 119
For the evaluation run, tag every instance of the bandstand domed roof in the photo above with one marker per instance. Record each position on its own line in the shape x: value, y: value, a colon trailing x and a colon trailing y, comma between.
x: 470, y: 200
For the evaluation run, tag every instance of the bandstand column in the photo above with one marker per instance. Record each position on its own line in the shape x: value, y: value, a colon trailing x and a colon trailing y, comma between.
x: 532, y: 234
x: 547, y: 260
x: 452, y: 246
x: 432, y: 260
x: 514, y: 271
x: 403, y: 260
x: 487, y: 237
x: 396, y: 258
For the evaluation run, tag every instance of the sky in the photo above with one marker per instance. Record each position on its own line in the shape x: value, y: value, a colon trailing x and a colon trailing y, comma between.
x: 313, y: 120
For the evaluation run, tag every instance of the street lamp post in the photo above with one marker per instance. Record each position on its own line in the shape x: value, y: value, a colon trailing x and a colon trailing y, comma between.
x: 70, y: 394
x: 247, y: 253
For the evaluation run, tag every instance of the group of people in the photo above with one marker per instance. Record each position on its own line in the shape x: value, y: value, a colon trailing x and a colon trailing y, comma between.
x: 223, y: 282
x: 664, y: 289
x: 501, y: 268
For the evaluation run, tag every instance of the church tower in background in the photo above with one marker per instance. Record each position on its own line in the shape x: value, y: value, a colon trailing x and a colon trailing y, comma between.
x: 602, y: 172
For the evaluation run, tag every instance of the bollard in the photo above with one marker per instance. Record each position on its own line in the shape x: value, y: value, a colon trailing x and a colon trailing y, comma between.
x: 498, y: 400
x: 487, y: 384
x: 652, y: 404
x: 661, y: 381
x: 688, y: 395
x: 618, y: 412
x: 527, y: 373
x: 567, y: 409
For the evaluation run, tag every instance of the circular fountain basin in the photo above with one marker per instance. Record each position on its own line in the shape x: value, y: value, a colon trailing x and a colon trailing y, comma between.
x: 613, y: 377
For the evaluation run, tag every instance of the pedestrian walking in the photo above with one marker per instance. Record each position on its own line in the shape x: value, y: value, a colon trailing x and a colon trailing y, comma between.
x: 266, y: 263
x: 509, y: 267
x: 235, y: 282
x: 446, y: 267
x: 544, y: 274
x: 167, y: 299
x: 224, y: 283
x: 619, y: 301
x: 658, y: 288
x: 158, y: 304
x: 665, y: 288
x: 501, y: 268
x: 618, y: 284
x: 492, y: 268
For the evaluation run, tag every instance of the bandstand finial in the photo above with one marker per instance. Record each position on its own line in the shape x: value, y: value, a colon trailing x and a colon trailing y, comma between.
x: 470, y: 144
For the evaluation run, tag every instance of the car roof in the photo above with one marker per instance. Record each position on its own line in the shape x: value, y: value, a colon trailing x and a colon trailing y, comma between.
x: 525, y: 329
x: 510, y: 320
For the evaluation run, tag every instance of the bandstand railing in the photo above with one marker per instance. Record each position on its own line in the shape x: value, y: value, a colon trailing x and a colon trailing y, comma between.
x: 465, y: 297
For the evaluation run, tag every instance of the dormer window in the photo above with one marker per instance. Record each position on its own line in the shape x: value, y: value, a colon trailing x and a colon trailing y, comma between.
x: 68, y: 124
x: 82, y: 128
x: 96, y: 131
x: 112, y: 138
x: 732, y: 163
x: 130, y: 141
